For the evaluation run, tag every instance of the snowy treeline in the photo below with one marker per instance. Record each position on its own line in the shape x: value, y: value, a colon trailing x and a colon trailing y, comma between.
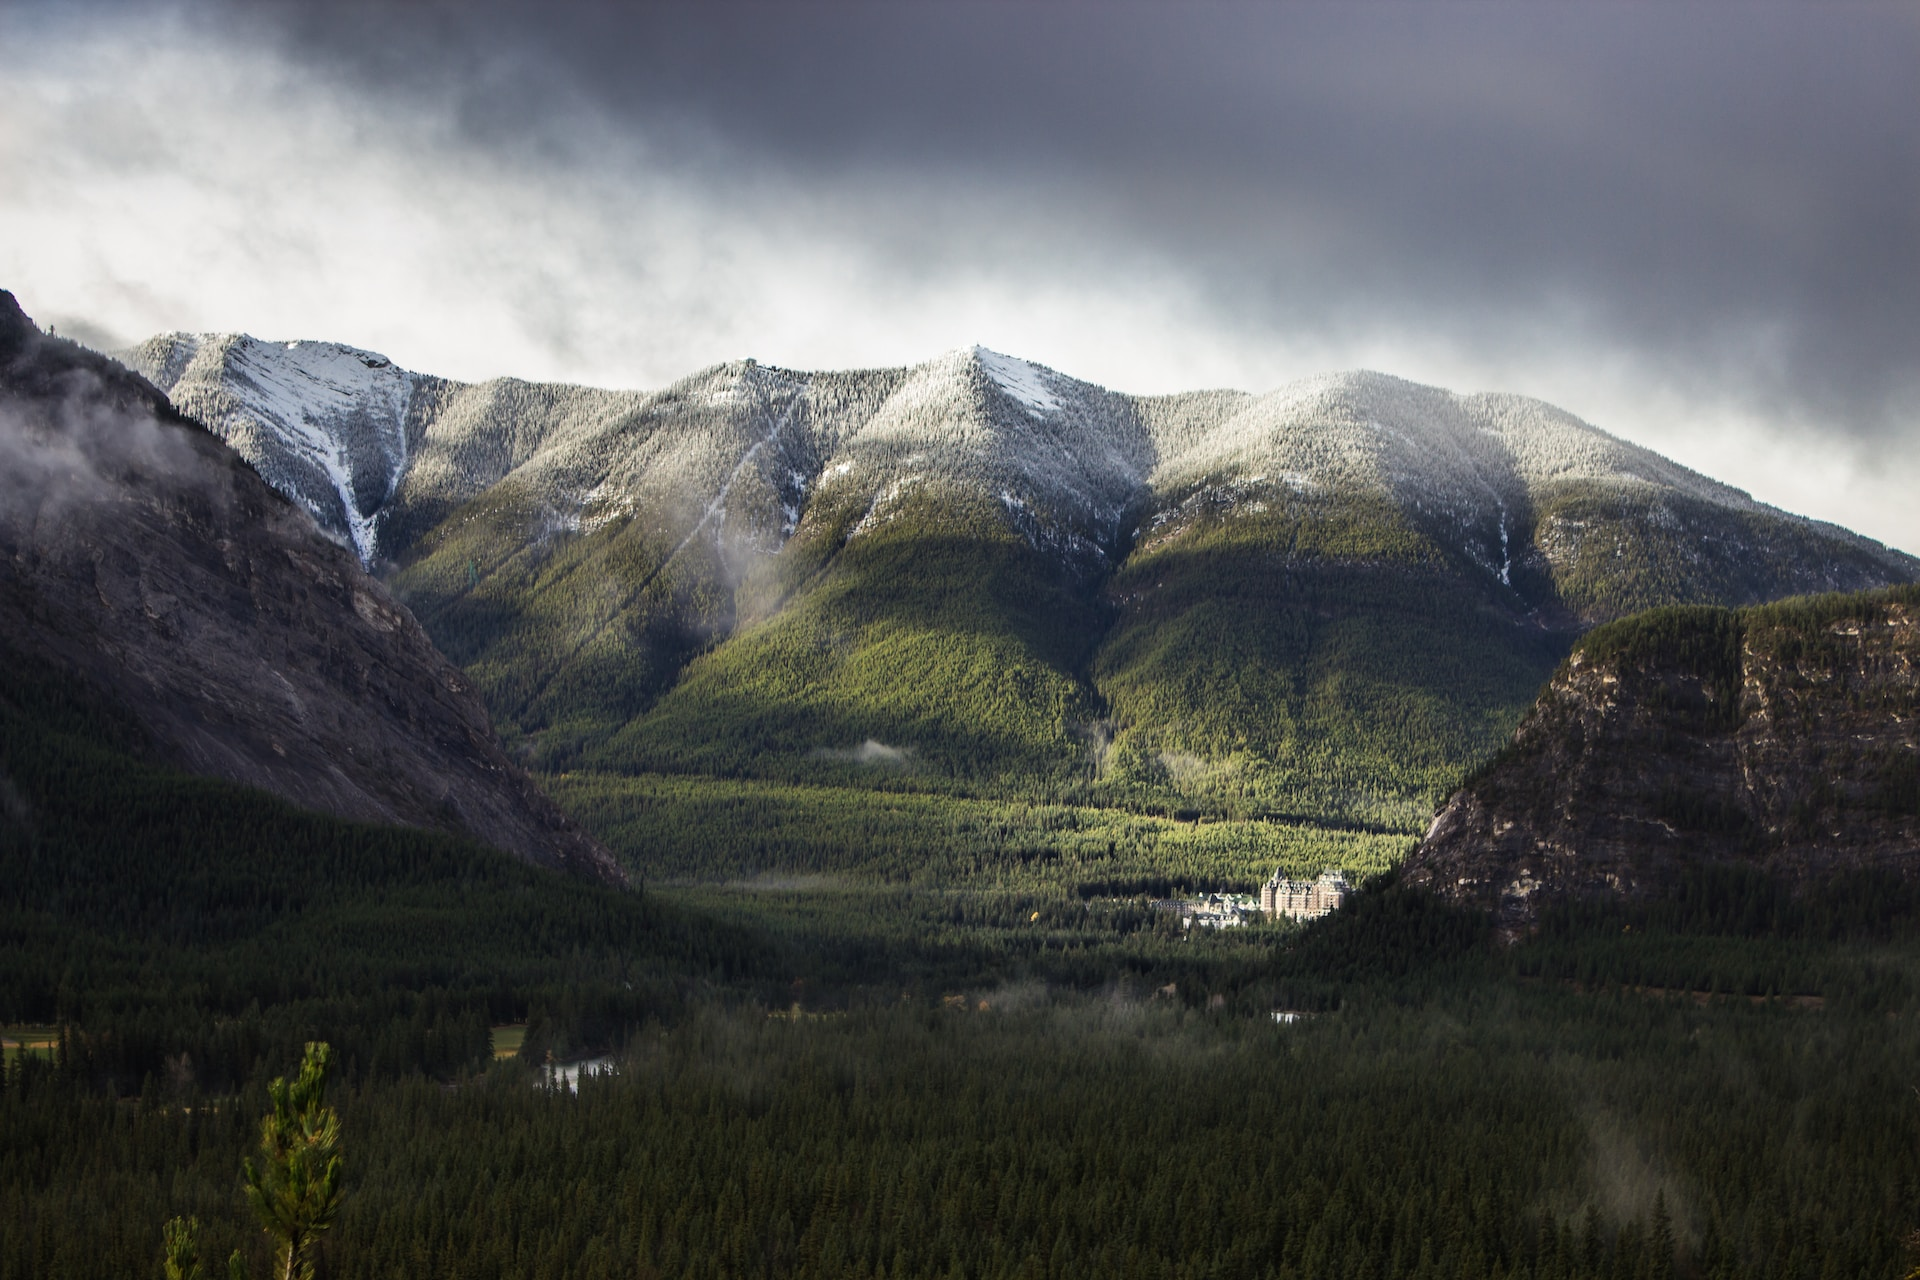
x: 739, y: 453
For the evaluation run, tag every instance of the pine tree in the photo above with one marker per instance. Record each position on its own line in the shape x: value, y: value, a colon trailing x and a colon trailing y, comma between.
x: 180, y: 1242
x: 295, y: 1190
x: 1661, y: 1243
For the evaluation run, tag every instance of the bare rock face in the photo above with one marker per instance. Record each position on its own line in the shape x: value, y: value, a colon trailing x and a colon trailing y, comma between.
x: 139, y: 551
x: 1786, y: 736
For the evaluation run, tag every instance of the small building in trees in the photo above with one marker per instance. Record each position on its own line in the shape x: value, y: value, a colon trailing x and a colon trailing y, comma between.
x: 1210, y: 910
x: 1304, y: 899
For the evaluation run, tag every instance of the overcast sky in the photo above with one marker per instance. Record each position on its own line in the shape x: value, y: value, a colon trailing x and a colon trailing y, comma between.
x: 1697, y: 226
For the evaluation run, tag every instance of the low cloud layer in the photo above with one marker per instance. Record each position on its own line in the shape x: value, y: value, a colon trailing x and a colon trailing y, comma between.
x: 870, y: 752
x: 76, y: 461
x: 1697, y: 227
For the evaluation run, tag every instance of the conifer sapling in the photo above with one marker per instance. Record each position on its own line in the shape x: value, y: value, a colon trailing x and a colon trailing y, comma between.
x: 295, y: 1189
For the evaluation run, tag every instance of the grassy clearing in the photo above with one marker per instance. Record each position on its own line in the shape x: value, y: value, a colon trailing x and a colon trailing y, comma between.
x: 943, y: 893
x: 38, y: 1040
x: 771, y: 835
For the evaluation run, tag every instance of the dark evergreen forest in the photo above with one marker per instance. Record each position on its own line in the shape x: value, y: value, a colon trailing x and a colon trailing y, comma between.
x: 885, y: 1080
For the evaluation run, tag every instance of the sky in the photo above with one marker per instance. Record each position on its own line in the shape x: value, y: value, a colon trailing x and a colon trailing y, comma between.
x: 1696, y: 226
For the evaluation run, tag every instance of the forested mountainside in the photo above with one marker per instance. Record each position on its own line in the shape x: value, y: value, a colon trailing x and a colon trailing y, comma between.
x: 140, y: 556
x: 193, y: 926
x: 981, y: 574
x: 1784, y: 737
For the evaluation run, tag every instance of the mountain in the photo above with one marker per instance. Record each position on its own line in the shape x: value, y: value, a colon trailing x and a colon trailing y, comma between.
x: 1785, y: 737
x: 342, y: 431
x: 143, y: 558
x: 980, y: 573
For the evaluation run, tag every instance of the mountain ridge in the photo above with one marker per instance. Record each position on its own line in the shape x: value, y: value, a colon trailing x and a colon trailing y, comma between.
x: 1331, y: 598
x: 233, y: 380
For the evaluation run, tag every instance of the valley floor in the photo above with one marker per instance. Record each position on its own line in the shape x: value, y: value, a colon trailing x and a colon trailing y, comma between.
x: 685, y: 829
x: 1495, y: 1128
x: 890, y: 1035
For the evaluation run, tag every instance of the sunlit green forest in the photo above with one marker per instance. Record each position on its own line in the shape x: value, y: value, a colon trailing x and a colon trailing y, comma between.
x: 1325, y: 663
x: 677, y: 828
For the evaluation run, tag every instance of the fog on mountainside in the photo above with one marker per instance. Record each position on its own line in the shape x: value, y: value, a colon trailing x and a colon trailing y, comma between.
x: 144, y: 558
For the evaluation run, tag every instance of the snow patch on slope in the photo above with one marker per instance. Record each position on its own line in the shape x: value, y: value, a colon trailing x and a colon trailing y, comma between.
x: 1019, y: 379
x: 324, y: 423
x: 310, y: 390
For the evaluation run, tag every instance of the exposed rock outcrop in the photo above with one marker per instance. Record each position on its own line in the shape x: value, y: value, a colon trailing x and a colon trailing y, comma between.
x: 1787, y: 736
x: 139, y: 551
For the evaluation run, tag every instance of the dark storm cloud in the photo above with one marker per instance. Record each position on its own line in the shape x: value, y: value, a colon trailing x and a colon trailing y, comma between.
x: 1729, y: 193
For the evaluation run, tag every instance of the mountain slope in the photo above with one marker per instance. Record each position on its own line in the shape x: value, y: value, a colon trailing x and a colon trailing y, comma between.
x: 139, y: 554
x: 1786, y: 736
x: 873, y: 542
x: 1327, y: 600
x: 934, y: 605
x: 1347, y: 590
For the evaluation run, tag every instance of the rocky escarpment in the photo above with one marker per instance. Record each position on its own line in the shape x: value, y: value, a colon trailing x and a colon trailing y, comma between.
x: 141, y: 553
x: 1787, y: 736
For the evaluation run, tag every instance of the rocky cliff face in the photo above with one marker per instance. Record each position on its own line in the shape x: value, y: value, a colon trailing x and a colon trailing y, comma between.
x: 139, y: 551
x: 1787, y: 736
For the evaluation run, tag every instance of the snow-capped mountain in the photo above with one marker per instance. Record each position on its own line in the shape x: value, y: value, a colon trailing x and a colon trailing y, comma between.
x: 1326, y: 598
x: 735, y: 450
x: 736, y: 454
x: 341, y: 430
x: 1527, y: 492
x: 325, y: 424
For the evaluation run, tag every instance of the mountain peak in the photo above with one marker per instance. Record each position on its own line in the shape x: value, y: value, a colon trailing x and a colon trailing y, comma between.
x: 1026, y: 382
x: 15, y: 327
x: 323, y: 422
